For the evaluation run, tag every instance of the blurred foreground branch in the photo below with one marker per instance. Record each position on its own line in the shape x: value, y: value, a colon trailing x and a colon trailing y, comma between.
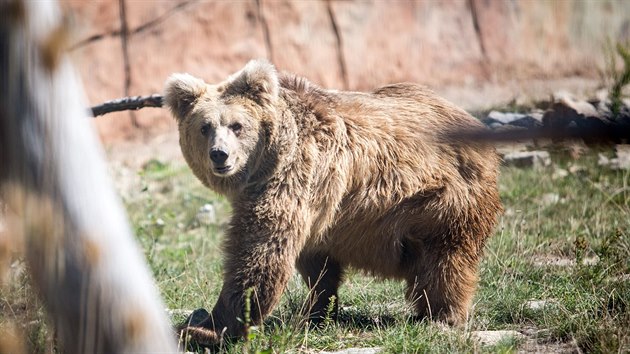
x: 603, y: 133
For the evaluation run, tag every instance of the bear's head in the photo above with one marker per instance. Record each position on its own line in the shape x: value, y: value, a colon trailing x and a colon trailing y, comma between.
x: 223, y: 127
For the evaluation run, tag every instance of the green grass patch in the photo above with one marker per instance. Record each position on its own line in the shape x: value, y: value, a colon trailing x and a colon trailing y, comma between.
x: 562, y: 243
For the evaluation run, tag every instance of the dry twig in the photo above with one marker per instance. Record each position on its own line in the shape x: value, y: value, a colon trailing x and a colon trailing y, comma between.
x: 127, y: 103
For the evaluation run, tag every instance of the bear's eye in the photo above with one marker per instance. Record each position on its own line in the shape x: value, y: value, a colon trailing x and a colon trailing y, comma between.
x: 236, y: 128
x: 205, y: 129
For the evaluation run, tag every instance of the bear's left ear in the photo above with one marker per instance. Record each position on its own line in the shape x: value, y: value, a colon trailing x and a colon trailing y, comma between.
x: 258, y: 80
x: 180, y: 93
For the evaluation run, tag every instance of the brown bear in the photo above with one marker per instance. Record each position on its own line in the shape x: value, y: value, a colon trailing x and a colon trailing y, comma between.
x: 326, y: 180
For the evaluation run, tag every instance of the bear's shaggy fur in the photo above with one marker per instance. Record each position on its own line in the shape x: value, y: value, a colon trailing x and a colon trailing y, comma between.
x: 326, y: 180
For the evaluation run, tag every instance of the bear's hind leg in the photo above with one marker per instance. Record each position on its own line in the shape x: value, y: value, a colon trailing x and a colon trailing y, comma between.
x: 443, y: 290
x: 323, y: 275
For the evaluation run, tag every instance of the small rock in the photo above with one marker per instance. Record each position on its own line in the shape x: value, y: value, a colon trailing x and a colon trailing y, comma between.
x: 622, y: 161
x: 537, y: 114
x: 497, y: 119
x: 536, y: 159
x: 549, y: 199
x: 494, y: 125
x: 538, y: 304
x: 554, y: 261
x: 207, y: 215
x: 527, y: 122
x: 356, y: 351
x: 579, y: 107
x: 178, y: 312
x: 559, y: 173
x: 503, y: 118
x: 564, y: 262
x: 590, y: 261
x: 535, y: 304
x: 494, y: 337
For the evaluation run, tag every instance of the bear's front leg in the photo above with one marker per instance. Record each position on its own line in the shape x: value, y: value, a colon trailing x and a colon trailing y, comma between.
x: 261, y: 248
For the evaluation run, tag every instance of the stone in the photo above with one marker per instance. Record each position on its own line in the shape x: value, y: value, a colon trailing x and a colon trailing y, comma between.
x: 537, y: 305
x: 527, y: 122
x: 355, y: 351
x: 622, y: 159
x: 590, y: 261
x: 496, y: 119
x: 574, y: 108
x: 535, y: 159
x: 549, y: 199
x: 206, y: 215
x: 489, y: 338
x: 564, y: 262
x: 503, y: 118
x: 603, y: 160
x: 559, y: 173
x: 178, y: 312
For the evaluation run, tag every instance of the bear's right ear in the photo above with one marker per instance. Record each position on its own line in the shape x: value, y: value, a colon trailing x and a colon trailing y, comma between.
x: 180, y: 93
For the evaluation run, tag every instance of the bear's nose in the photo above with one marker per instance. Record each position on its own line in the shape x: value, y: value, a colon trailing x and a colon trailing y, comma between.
x: 218, y: 156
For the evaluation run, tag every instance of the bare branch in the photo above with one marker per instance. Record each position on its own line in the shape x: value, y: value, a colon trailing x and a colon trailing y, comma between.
x: 127, y: 103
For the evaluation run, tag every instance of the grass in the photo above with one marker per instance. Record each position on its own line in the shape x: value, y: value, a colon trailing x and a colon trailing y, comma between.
x: 563, y: 244
x: 570, y: 250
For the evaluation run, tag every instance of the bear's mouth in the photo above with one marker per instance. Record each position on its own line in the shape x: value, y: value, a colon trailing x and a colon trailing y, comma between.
x: 221, y: 170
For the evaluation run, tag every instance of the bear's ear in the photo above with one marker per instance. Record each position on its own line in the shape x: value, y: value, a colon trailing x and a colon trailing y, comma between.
x: 180, y: 93
x: 258, y: 80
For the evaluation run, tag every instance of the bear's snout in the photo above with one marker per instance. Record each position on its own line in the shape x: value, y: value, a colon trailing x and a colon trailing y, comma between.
x: 218, y: 156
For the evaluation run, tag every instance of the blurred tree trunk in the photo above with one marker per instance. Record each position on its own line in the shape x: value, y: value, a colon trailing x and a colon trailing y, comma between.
x: 79, y: 246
